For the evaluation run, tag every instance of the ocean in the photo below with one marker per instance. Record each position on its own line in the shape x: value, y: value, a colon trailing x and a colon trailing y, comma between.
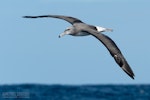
x: 74, y: 92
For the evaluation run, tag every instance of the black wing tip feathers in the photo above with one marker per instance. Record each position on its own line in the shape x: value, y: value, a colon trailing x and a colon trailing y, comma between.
x: 120, y: 60
x: 126, y: 68
x: 29, y: 17
x: 131, y: 75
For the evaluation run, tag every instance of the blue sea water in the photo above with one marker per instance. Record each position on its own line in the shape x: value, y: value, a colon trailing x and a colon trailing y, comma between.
x: 74, y: 92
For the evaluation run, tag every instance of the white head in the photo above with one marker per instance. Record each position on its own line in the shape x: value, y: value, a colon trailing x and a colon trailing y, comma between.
x: 68, y: 31
x: 102, y: 29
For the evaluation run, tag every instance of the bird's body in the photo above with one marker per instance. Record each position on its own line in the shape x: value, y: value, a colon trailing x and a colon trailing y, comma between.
x: 79, y: 28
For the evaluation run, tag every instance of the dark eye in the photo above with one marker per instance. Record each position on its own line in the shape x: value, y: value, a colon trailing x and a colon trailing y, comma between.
x: 67, y: 29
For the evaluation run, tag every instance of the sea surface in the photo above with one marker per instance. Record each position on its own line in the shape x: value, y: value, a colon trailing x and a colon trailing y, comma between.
x: 74, y: 92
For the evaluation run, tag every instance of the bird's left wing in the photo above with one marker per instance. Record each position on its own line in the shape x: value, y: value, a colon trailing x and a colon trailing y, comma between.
x: 69, y: 19
x: 114, y: 51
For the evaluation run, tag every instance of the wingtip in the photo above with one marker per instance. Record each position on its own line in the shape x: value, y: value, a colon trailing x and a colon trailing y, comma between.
x: 29, y: 17
x: 124, y: 65
x: 132, y: 76
x: 25, y: 16
x: 128, y: 70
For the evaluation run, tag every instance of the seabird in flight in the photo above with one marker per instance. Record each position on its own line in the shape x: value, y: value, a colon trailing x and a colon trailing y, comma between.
x: 80, y: 28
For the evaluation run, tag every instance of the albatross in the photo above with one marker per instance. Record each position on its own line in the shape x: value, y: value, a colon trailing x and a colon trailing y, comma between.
x: 80, y: 28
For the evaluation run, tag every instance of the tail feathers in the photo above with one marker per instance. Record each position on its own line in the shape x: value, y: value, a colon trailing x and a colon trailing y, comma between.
x: 124, y: 65
x: 109, y: 29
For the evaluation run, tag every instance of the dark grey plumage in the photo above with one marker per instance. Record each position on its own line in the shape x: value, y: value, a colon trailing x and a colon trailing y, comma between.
x: 114, y: 51
x: 79, y: 27
x: 66, y: 18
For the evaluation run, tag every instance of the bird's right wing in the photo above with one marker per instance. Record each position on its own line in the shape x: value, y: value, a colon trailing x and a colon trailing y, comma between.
x: 69, y: 19
x: 114, y: 51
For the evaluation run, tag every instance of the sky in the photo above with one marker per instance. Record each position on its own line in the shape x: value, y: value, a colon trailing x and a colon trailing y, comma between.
x: 31, y: 52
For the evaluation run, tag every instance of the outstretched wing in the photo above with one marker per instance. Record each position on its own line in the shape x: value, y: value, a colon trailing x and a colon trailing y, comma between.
x: 69, y: 19
x: 114, y: 51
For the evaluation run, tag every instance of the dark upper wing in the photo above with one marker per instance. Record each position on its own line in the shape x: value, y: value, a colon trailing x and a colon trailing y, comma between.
x: 71, y: 20
x: 114, y: 51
